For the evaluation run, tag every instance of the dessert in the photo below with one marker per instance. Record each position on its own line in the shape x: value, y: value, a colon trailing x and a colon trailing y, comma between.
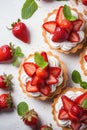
x: 70, y: 109
x: 64, y: 31
x: 42, y: 75
x: 83, y: 60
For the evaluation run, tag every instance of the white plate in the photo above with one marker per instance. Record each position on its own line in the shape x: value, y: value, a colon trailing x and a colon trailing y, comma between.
x: 10, y: 11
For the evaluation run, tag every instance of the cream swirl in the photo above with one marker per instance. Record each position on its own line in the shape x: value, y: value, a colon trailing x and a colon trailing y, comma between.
x: 52, y: 62
x: 72, y: 95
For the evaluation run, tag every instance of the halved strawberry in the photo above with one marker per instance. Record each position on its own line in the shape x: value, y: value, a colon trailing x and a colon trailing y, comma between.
x: 45, y: 90
x: 81, y: 98
x: 75, y: 125
x: 74, y: 37
x: 31, y: 88
x: 37, y: 81
x: 30, y: 68
x: 50, y: 26
x: 44, y: 55
x: 55, y: 71
x: 85, y: 58
x: 77, y: 25
x: 73, y: 118
x: 42, y: 73
x: 63, y: 115
x: 60, y: 15
x: 51, y: 79
x: 67, y: 103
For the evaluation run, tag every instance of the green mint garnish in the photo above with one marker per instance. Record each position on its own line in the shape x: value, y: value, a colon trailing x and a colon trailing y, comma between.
x: 83, y: 84
x: 28, y: 9
x: 67, y: 13
x: 22, y: 108
x: 76, y: 76
x: 17, y: 53
x: 84, y: 104
x: 40, y: 61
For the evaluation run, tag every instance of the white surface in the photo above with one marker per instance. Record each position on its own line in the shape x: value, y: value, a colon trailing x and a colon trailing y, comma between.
x: 10, y: 10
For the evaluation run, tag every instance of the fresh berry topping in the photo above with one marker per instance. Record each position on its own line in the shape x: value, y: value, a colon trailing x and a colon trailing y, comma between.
x: 74, y: 37
x: 67, y: 103
x: 75, y: 125
x: 72, y: 117
x: 84, y: 2
x: 30, y: 68
x: 55, y: 71
x: 5, y: 81
x: 50, y: 26
x: 45, y: 90
x: 85, y: 57
x: 60, y: 16
x: 66, y: 24
x: 77, y: 110
x: 83, y: 117
x: 30, y: 118
x: 46, y: 127
x: 42, y: 73
x: 79, y: 100
x: 60, y: 35
x: 44, y: 55
x: 77, y: 25
x: 63, y: 115
x: 51, y: 80
x: 6, y: 101
x: 20, y: 31
x: 31, y: 88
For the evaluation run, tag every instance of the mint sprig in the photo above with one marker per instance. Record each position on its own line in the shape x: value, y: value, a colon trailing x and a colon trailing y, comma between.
x: 28, y: 9
x: 84, y: 104
x: 67, y: 13
x: 22, y: 108
x: 40, y: 60
x: 76, y: 77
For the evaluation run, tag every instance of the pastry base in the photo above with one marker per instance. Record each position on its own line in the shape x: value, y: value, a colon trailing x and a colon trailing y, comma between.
x: 74, y: 89
x: 59, y: 88
x: 72, y: 50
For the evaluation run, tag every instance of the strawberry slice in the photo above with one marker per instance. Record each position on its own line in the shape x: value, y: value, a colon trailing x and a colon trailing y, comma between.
x: 75, y: 125
x: 50, y: 26
x: 60, y: 15
x: 67, y: 103
x: 77, y: 25
x: 63, y: 115
x: 44, y: 55
x: 31, y: 88
x: 51, y: 80
x: 74, y: 37
x: 45, y: 90
x: 84, y: 117
x: 55, y: 71
x: 37, y: 81
x: 42, y: 73
x: 81, y: 98
x: 30, y: 68
x: 73, y: 117
x: 85, y: 58
x: 85, y: 121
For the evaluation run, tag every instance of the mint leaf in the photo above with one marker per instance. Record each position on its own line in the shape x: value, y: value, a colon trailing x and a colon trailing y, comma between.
x: 76, y: 77
x: 18, y: 52
x: 28, y: 9
x: 15, y: 63
x: 84, y: 104
x: 67, y: 13
x: 22, y: 108
x: 83, y: 84
x: 40, y: 61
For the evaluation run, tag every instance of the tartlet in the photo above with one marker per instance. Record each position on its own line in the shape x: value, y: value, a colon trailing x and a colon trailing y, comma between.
x: 72, y: 38
x: 83, y: 60
x: 55, y: 77
x: 67, y: 109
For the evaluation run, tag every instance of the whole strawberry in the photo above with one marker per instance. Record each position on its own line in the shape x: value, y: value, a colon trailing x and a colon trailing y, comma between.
x: 20, y: 31
x: 5, y: 81
x: 6, y: 101
x: 46, y: 127
x: 9, y: 53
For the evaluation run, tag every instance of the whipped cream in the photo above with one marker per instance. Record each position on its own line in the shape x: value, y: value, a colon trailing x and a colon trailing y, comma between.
x: 85, y: 63
x: 66, y: 45
x: 72, y: 95
x: 52, y: 62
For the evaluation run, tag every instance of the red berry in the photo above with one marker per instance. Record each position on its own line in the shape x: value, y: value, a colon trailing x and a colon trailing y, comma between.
x: 42, y: 73
x: 85, y: 57
x: 60, y: 35
x: 84, y: 2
